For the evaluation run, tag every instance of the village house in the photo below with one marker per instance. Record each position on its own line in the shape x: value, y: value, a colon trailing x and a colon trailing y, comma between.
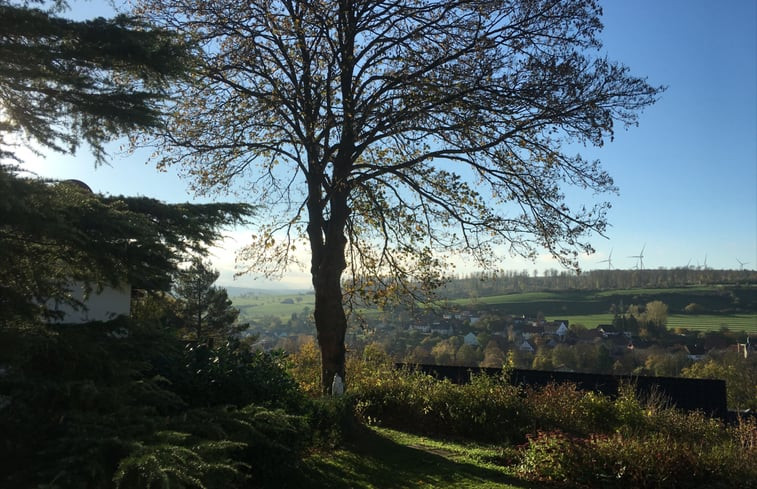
x: 526, y: 347
x: 470, y: 339
x: 442, y: 328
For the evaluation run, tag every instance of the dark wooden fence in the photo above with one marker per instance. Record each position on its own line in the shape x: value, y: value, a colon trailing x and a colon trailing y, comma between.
x: 705, y: 395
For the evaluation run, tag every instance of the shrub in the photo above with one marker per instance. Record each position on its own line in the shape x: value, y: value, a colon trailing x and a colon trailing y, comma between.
x: 305, y: 368
x: 168, y: 463
x: 566, y: 408
x: 585, y: 440
x: 332, y: 420
x: 84, y: 408
x: 231, y: 374
x: 574, y: 438
x: 486, y: 409
x: 640, y: 460
x: 548, y: 457
x: 269, y: 442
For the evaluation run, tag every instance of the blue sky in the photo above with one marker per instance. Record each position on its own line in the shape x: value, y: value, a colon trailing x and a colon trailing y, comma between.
x: 687, y: 175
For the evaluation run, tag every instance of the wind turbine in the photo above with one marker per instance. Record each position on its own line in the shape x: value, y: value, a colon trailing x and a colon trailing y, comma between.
x: 640, y: 256
x: 742, y: 263
x: 608, y: 261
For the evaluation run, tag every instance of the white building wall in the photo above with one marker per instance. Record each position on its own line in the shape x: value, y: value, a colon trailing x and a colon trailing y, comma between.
x: 103, y: 306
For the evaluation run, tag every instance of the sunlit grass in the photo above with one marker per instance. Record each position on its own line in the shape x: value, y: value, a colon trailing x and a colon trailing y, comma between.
x: 387, y: 459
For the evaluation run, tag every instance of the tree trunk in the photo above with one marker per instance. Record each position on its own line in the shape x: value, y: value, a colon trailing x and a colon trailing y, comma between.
x: 331, y: 324
x: 327, y: 233
x: 327, y: 265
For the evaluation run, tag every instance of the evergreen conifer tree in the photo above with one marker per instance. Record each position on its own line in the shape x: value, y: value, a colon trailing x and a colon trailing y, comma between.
x: 64, y: 81
x: 204, y: 309
x: 56, y: 233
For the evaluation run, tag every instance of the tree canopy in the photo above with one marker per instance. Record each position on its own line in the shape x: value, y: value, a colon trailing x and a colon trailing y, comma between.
x: 55, y: 233
x: 392, y: 135
x: 64, y: 81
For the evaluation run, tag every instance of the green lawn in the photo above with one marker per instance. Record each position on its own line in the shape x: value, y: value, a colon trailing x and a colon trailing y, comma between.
x: 387, y: 459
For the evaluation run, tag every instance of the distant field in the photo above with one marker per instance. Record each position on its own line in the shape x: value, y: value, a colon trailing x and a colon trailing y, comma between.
x: 708, y: 322
x: 704, y: 289
x: 579, y: 307
x: 590, y: 321
x: 259, y: 306
x: 524, y: 298
x: 584, y: 296
x: 694, y: 322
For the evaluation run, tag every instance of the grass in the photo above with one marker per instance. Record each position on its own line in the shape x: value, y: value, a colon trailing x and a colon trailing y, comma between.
x: 590, y: 321
x: 693, y: 322
x: 256, y: 307
x: 713, y: 322
x: 697, y: 289
x: 388, y: 459
x: 526, y: 297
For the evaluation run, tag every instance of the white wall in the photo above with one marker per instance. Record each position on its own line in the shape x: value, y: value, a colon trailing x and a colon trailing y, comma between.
x: 103, y: 306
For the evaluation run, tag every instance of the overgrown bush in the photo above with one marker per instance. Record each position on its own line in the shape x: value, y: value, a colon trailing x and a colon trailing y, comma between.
x: 486, y: 409
x: 168, y: 462
x: 636, y: 442
x: 231, y: 374
x: 332, y: 420
x: 125, y: 405
x: 566, y: 408
x: 573, y: 438
x: 642, y: 460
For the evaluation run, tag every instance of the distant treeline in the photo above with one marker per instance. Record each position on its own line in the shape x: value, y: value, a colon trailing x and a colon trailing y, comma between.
x: 485, y: 283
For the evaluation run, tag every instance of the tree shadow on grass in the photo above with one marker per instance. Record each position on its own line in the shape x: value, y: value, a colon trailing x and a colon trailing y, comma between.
x: 374, y: 461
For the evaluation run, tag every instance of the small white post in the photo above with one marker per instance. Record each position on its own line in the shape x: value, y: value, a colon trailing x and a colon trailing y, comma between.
x: 337, y: 386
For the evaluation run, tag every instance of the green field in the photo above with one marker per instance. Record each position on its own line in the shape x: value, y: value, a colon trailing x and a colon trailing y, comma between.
x: 590, y: 321
x: 260, y: 306
x: 589, y: 308
x: 527, y: 297
x: 694, y: 322
x: 710, y: 322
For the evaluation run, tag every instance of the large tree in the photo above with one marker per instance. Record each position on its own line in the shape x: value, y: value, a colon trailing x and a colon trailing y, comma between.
x: 392, y: 134
x: 64, y: 81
